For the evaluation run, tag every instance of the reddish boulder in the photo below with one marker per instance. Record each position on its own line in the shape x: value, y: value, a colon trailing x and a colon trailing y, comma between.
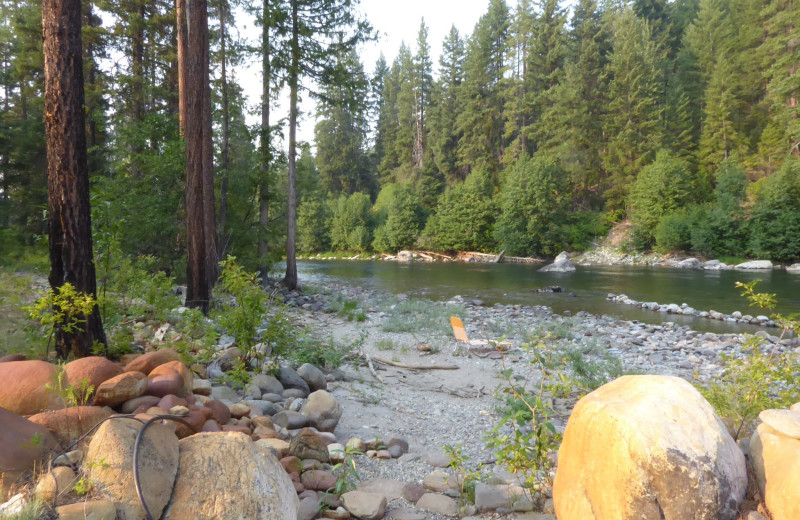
x: 121, y: 388
x: 220, y: 412
x: 211, y: 426
x: 95, y: 369
x: 23, y: 389
x: 164, y: 384
x: 23, y: 443
x: 134, y: 404
x: 170, y: 400
x: 236, y: 428
x: 181, y: 369
x: 318, y: 480
x: 292, y: 464
x: 12, y: 357
x: 147, y: 362
x: 69, y: 424
x: 196, y: 420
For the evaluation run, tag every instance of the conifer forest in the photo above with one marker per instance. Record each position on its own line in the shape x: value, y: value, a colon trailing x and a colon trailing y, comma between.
x: 537, y: 132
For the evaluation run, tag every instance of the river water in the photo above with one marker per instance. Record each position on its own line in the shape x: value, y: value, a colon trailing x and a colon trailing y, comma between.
x: 584, y: 290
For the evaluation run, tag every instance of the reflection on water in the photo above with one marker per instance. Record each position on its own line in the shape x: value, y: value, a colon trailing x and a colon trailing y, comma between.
x: 585, y: 289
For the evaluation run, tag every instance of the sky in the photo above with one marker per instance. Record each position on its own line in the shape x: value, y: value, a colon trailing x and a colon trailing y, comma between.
x: 395, y: 22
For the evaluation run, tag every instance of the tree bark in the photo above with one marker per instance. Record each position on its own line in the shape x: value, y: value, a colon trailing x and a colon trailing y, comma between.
x: 223, y: 185
x: 266, y: 154
x: 290, y: 279
x: 70, y: 225
x: 199, y: 170
x: 180, y: 14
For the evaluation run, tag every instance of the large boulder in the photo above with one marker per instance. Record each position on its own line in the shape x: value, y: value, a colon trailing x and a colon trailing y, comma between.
x: 647, y: 448
x: 23, y: 390
x: 292, y: 380
x: 228, y: 476
x: 69, y: 424
x: 93, y: 369
x: 323, y: 411
x: 313, y: 376
x: 775, y: 456
x: 109, y: 462
x: 755, y: 264
x: 178, y: 368
x: 147, y: 362
x: 22, y: 445
x: 561, y: 264
x: 117, y: 390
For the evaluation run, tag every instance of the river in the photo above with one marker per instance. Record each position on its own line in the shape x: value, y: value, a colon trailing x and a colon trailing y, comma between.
x: 584, y: 290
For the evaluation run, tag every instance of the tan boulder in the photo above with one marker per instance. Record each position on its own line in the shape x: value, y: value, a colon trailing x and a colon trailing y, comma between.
x: 69, y: 424
x: 368, y: 506
x: 280, y: 446
x: 776, y: 460
x: 323, y: 410
x: 23, y: 445
x: 181, y: 369
x: 89, y: 510
x: 308, y: 445
x: 647, y: 448
x: 227, y: 476
x: 109, y: 460
x: 147, y: 362
x: 23, y: 390
x: 55, y: 482
x: 94, y: 369
x: 121, y: 388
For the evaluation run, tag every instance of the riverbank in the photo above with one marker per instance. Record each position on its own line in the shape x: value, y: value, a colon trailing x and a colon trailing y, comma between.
x: 436, y: 408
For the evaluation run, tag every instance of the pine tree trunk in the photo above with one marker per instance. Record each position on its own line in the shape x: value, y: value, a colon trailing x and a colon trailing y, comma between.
x: 223, y: 188
x: 199, y: 173
x: 70, y: 231
x: 180, y: 14
x: 290, y: 280
x: 266, y: 155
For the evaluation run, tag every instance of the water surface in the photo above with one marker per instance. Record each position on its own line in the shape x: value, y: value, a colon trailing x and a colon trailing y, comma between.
x: 586, y: 289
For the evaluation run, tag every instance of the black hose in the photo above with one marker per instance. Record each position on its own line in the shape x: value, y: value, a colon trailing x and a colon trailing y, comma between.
x: 136, y: 444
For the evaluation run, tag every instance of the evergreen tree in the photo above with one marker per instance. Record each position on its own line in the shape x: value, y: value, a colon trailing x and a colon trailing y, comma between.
x: 534, y: 202
x: 481, y: 120
x: 633, y: 121
x: 518, y: 115
x: 444, y: 133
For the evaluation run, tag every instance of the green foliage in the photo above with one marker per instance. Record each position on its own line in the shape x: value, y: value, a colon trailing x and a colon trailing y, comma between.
x: 415, y: 315
x: 775, y: 220
x: 83, y: 486
x: 346, y: 308
x: 237, y: 376
x: 466, y: 479
x: 323, y: 352
x: 351, y: 222
x: 758, y: 377
x: 65, y: 309
x: 346, y: 472
x: 71, y: 395
x: 661, y: 188
x: 674, y: 233
x: 403, y: 218
x: 243, y: 315
x: 524, y: 437
x: 534, y: 204
x: 464, y: 216
x: 313, y: 225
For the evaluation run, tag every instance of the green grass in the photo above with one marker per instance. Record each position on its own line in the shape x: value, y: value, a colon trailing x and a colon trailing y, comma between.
x: 415, y: 315
x: 732, y: 260
x: 15, y: 292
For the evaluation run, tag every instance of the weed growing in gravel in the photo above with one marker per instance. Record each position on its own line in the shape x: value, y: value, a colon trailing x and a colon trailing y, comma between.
x: 761, y: 379
x: 347, y: 477
x: 71, y: 395
x: 323, y: 351
x: 466, y: 479
x: 416, y: 315
x: 385, y: 344
x: 347, y: 308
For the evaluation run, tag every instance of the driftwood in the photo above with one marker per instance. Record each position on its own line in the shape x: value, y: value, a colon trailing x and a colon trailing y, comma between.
x: 415, y: 367
x: 371, y: 367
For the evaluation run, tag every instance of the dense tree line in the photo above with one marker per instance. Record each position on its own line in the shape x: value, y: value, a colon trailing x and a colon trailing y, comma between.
x: 532, y: 134
x: 544, y: 126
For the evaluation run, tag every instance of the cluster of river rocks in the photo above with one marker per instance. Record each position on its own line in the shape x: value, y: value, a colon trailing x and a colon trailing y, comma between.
x: 685, y: 310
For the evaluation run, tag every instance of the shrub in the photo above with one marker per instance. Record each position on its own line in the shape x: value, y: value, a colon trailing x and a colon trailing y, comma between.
x: 534, y: 203
x: 775, y: 220
x: 351, y: 222
x: 673, y: 232
x: 662, y: 187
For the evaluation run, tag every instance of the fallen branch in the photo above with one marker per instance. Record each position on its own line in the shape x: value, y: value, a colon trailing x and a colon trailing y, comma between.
x: 371, y: 367
x: 416, y: 367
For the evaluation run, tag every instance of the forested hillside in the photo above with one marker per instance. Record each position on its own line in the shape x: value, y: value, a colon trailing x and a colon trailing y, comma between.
x: 533, y: 134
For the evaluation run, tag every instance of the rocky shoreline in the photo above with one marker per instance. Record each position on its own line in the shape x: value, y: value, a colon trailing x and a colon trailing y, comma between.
x: 394, y: 397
